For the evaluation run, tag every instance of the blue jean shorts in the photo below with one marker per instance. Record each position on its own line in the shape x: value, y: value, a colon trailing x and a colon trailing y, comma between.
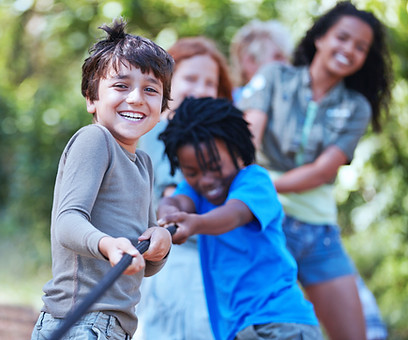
x: 318, y: 251
x: 92, y: 326
x: 280, y: 331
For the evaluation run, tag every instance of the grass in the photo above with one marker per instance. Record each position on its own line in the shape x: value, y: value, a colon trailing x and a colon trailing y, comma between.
x: 26, y: 267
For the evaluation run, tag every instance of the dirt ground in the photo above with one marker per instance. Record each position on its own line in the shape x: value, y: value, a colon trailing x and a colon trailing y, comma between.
x: 16, y: 322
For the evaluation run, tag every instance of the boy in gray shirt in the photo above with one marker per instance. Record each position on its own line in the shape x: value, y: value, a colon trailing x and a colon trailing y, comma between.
x: 103, y: 191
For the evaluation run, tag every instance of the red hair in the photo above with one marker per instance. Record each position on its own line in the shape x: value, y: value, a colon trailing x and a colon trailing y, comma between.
x: 189, y: 47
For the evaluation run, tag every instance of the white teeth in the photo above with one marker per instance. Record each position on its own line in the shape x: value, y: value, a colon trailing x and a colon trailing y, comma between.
x: 214, y: 192
x: 342, y: 59
x: 131, y: 115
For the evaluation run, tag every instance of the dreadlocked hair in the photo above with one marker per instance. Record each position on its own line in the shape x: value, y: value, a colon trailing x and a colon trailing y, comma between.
x: 198, y: 122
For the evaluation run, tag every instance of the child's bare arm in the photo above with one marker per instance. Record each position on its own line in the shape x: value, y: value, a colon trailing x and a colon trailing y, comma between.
x: 218, y: 221
x: 114, y: 248
x: 173, y: 204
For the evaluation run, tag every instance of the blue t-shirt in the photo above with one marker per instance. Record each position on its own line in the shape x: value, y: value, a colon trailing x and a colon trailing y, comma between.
x: 249, y: 275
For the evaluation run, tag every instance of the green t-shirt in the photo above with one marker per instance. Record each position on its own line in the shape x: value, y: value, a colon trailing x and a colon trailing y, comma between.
x: 284, y: 94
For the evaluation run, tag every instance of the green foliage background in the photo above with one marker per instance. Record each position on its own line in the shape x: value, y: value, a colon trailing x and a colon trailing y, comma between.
x: 43, y: 44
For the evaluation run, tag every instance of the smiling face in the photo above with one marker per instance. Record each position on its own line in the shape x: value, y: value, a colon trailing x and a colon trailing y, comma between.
x: 196, y: 77
x: 343, y: 49
x: 129, y: 104
x: 214, y: 182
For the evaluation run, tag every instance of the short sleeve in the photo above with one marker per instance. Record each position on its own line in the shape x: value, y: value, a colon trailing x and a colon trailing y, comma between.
x: 347, y: 131
x: 255, y: 189
x: 258, y: 92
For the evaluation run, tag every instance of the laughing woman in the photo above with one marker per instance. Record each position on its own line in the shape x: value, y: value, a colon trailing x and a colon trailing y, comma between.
x: 307, y: 120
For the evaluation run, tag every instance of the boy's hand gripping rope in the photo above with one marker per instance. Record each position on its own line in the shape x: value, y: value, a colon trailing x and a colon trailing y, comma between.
x: 101, y: 287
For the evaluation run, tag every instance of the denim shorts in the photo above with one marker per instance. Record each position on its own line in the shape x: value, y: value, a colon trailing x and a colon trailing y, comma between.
x: 318, y: 251
x: 280, y: 331
x: 92, y: 326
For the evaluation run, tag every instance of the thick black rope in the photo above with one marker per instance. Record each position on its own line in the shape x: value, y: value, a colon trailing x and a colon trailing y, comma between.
x: 101, y: 288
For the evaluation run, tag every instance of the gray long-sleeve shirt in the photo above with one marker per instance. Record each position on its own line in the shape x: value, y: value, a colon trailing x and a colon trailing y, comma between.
x: 101, y: 189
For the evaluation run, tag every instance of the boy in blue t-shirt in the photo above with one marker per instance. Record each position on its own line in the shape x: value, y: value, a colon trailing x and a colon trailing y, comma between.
x: 249, y: 275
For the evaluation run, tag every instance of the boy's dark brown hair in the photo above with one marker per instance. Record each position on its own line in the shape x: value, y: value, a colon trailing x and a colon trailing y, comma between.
x: 119, y: 47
